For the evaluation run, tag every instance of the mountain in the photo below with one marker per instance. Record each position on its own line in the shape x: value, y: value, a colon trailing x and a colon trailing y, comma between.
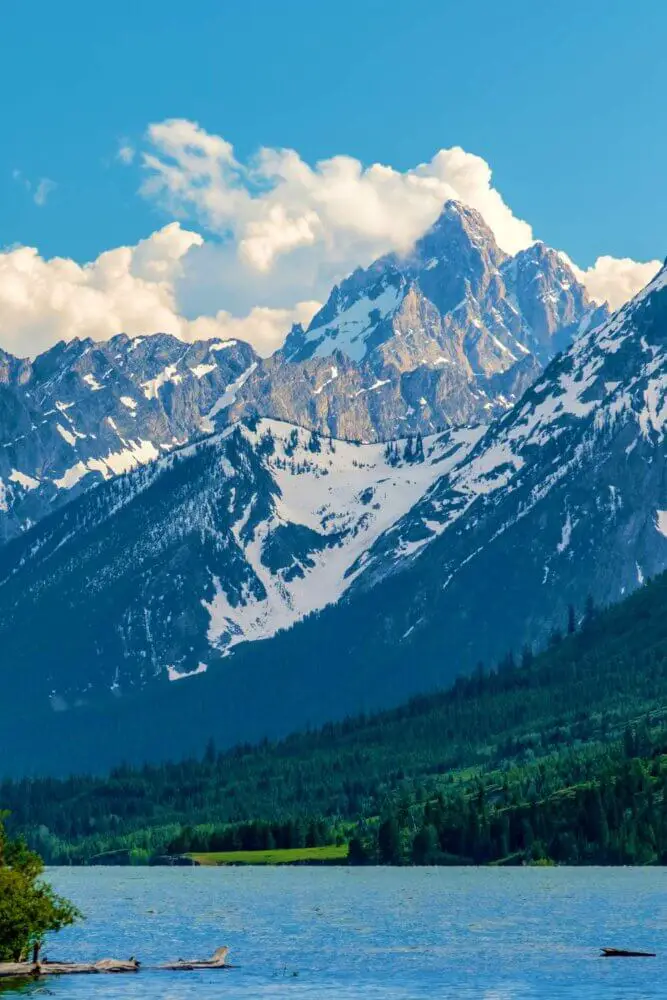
x: 448, y: 335
x: 497, y: 532
x: 84, y: 412
x: 452, y: 333
x: 158, y: 574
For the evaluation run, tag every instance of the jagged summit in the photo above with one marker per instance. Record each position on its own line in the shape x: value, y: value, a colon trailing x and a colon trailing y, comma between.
x: 458, y: 228
x: 456, y: 263
x: 452, y: 331
x: 448, y: 334
x: 460, y: 246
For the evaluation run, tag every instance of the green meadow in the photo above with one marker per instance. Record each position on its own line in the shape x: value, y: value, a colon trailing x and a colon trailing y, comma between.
x: 287, y: 856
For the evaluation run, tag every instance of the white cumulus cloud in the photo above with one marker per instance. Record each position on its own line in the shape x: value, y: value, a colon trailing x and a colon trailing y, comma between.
x: 276, y: 202
x: 615, y: 279
x: 128, y: 289
x: 280, y: 233
x: 283, y: 218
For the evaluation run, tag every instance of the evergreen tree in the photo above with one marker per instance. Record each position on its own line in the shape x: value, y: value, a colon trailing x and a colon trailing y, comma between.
x: 357, y: 852
x: 425, y: 846
x: 629, y: 742
x: 210, y: 754
x: 419, y: 448
x: 389, y: 842
x: 555, y: 637
x: 590, y: 611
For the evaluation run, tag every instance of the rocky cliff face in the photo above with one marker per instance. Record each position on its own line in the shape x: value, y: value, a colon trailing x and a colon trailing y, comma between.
x: 452, y: 333
x: 84, y: 412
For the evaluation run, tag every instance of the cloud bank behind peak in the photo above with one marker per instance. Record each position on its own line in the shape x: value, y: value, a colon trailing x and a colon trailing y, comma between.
x: 278, y: 233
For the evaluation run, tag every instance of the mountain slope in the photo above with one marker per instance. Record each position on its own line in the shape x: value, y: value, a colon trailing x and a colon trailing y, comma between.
x: 576, y: 471
x: 452, y: 333
x: 615, y: 664
x: 160, y: 573
x: 84, y: 412
x: 565, y: 496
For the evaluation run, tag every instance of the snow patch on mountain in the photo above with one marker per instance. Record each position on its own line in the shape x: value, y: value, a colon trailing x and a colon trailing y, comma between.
x: 349, y: 330
x: 27, y: 482
x: 328, y: 381
x: 226, y: 399
x: 178, y: 675
x: 346, y: 495
x: 661, y: 522
x: 113, y: 463
x: 200, y: 370
x: 152, y: 386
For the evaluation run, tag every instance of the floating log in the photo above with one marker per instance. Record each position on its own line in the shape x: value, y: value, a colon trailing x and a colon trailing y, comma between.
x: 217, y: 961
x: 17, y: 970
x: 619, y: 953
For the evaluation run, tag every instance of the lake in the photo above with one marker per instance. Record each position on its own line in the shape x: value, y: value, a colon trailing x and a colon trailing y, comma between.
x: 338, y: 933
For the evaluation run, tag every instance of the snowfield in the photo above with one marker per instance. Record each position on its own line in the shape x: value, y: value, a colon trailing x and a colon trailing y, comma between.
x: 348, y: 494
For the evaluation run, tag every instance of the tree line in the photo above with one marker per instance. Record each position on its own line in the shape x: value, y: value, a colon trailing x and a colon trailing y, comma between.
x: 500, y: 765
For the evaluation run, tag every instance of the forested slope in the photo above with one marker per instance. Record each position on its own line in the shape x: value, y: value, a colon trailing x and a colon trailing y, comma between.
x: 515, y: 753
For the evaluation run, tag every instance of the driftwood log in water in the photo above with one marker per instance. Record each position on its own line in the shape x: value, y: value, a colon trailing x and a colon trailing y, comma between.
x: 620, y: 953
x: 17, y: 970
x: 217, y: 961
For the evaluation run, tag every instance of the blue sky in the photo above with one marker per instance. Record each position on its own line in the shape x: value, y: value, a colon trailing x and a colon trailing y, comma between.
x: 565, y: 105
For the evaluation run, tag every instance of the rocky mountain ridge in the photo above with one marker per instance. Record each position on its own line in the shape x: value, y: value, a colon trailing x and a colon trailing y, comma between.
x: 216, y: 560
x: 452, y: 333
x: 84, y: 412
x: 449, y: 335
x: 159, y: 574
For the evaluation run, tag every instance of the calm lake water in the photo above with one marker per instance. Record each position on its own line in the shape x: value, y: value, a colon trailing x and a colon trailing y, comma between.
x: 299, y: 933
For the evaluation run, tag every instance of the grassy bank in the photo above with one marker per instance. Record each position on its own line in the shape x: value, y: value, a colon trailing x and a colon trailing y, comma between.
x: 330, y: 854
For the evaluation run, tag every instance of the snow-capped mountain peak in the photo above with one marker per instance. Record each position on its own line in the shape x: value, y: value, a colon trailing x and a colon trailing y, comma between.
x: 451, y: 332
x: 573, y: 477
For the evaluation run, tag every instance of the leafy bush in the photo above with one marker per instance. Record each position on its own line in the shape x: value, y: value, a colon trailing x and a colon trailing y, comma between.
x: 29, y: 908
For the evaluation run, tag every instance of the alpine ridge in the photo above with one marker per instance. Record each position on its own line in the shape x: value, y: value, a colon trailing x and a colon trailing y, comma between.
x: 448, y: 335
x: 84, y: 412
x: 160, y: 573
x: 451, y: 333
x: 171, y: 569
